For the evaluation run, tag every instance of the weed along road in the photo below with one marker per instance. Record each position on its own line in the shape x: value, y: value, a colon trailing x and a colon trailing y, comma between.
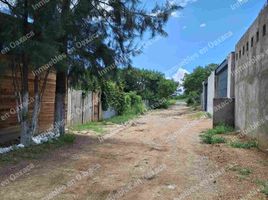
x: 156, y: 156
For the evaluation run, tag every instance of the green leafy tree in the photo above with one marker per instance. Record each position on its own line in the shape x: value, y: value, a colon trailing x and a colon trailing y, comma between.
x: 150, y: 85
x: 193, y: 82
x: 116, y: 24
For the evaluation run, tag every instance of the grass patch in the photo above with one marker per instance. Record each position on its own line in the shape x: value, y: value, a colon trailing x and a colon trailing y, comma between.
x: 36, y: 151
x: 210, y: 136
x: 221, y: 129
x: 212, y: 139
x: 198, y: 115
x: 264, y: 184
x: 245, y: 171
x: 244, y: 145
x: 121, y: 119
x: 242, y: 170
x: 183, y: 100
x: 172, y: 102
x: 97, y: 127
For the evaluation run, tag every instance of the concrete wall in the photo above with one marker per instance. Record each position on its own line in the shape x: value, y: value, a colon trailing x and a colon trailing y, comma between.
x: 224, y: 109
x: 203, y: 97
x: 251, y: 81
x: 211, y: 92
x: 231, y: 80
x: 228, y: 63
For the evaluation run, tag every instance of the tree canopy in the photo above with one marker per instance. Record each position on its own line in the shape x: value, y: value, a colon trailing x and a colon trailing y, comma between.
x: 193, y: 82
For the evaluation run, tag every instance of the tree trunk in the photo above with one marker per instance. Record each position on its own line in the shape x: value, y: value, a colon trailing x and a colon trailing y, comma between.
x: 61, y: 80
x: 61, y: 83
x: 36, y: 109
x: 26, y: 138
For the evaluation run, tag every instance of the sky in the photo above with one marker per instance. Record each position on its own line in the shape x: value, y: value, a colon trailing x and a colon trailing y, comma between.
x: 204, y: 32
x: 212, y: 26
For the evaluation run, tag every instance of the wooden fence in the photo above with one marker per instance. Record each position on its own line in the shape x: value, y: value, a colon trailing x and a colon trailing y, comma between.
x: 9, y: 126
x: 82, y: 108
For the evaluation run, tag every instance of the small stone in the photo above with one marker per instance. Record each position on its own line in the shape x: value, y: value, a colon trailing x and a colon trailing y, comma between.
x: 171, y: 187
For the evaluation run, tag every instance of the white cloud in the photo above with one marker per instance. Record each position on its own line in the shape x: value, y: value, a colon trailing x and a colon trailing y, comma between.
x: 203, y: 25
x: 175, y: 14
x: 182, y: 3
x: 179, y: 75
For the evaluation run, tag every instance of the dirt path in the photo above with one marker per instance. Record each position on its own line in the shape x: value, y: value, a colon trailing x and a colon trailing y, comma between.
x: 157, y: 157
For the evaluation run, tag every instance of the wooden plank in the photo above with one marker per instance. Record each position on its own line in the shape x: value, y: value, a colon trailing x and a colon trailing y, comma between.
x: 7, y: 102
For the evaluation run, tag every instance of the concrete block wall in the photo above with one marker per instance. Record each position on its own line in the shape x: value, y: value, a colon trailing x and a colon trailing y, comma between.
x: 231, y: 78
x: 251, y: 81
x: 211, y: 92
x: 224, y: 109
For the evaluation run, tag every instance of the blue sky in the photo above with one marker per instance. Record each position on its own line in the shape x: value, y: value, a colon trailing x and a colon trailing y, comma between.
x: 193, y: 28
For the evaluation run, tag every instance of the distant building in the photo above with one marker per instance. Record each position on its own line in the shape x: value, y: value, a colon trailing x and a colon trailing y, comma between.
x: 224, y: 81
x: 209, y: 93
x: 223, y: 103
x: 219, y: 87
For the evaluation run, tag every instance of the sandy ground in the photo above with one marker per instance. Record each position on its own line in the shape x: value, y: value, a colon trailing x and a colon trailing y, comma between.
x: 157, y: 157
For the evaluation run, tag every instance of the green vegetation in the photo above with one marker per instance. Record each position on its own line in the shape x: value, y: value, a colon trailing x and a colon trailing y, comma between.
x: 242, y: 171
x: 150, y: 85
x: 198, y: 115
x: 94, y: 126
x: 209, y: 115
x: 181, y: 98
x: 193, y: 83
x: 121, y: 119
x: 264, y: 184
x: 166, y: 104
x: 212, y: 139
x: 244, y: 145
x: 36, y: 151
x: 221, y: 129
x: 86, y: 50
x: 99, y: 127
x: 127, y: 89
x: 265, y: 190
x: 210, y: 136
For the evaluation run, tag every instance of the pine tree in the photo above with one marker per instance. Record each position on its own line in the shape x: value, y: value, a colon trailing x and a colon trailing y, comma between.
x: 115, y: 26
x: 32, y: 41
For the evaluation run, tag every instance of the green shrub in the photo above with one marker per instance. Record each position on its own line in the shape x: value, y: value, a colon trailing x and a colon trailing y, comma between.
x: 209, y: 115
x: 264, y: 184
x: 212, y: 139
x: 265, y: 190
x: 209, y: 137
x: 193, y: 99
x: 244, y: 145
x: 124, y: 103
x: 137, y: 105
x: 190, y: 101
x: 68, y: 138
x: 245, y: 172
x: 220, y: 129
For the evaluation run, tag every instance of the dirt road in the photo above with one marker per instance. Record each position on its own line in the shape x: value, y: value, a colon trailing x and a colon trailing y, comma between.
x: 157, y: 157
